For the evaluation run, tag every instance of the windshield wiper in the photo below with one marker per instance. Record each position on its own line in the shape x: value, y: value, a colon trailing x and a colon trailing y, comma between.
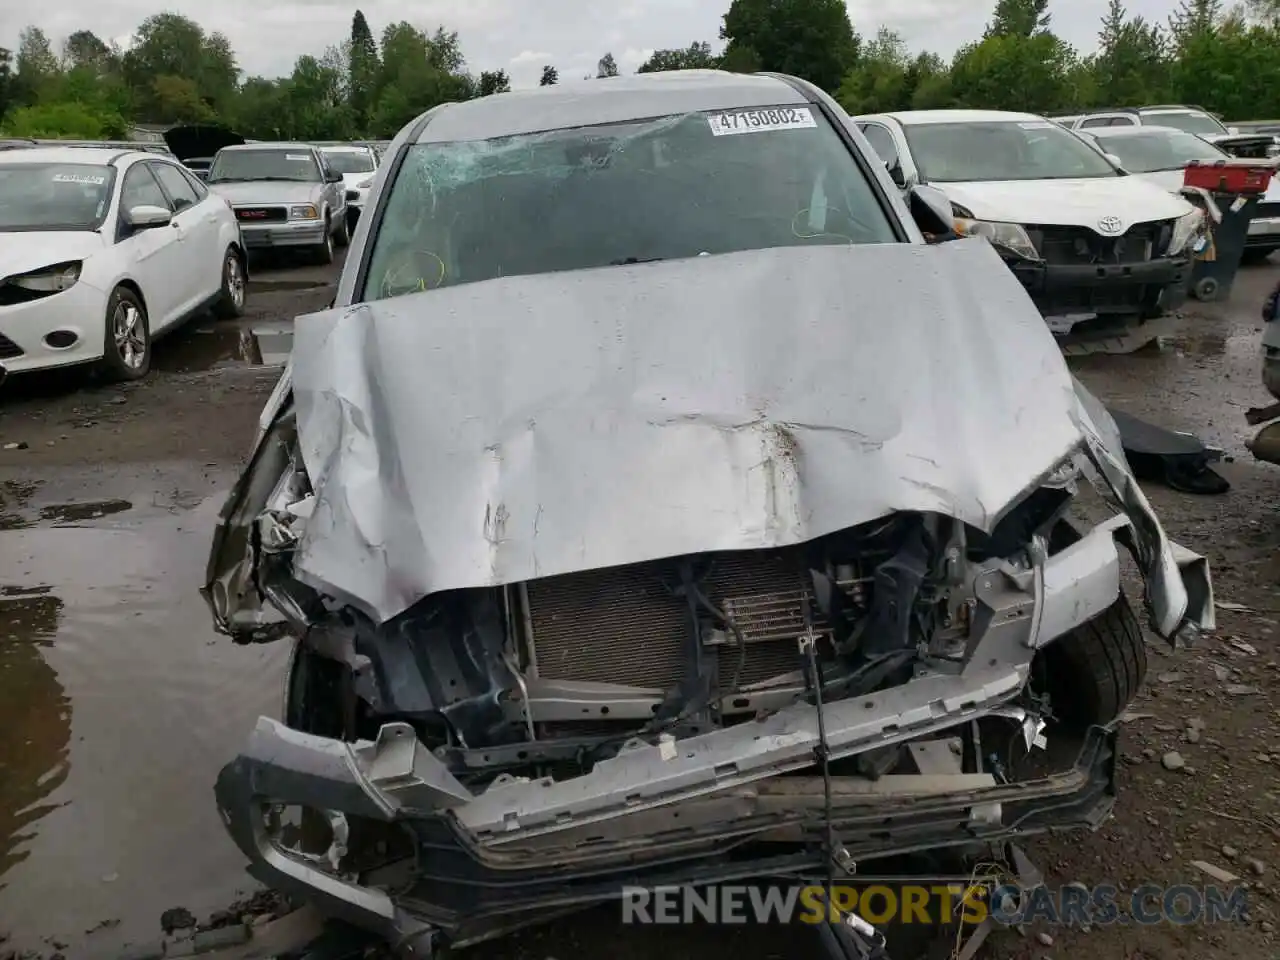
x: 626, y: 261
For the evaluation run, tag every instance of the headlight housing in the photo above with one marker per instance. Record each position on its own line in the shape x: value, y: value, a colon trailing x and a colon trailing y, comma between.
x: 365, y: 184
x: 305, y: 211
x: 51, y: 279
x: 1186, y: 229
x: 1008, y: 236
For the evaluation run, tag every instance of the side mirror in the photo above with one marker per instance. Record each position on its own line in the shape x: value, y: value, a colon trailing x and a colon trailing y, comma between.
x: 145, y: 216
x: 1233, y: 130
x: 897, y: 176
x: 931, y: 210
x: 1115, y: 161
x: 333, y: 176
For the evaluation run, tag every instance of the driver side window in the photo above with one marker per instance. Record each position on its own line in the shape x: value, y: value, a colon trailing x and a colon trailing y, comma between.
x: 140, y: 189
x: 881, y: 140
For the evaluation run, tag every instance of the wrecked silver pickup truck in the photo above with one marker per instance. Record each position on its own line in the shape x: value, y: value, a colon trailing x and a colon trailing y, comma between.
x: 659, y: 567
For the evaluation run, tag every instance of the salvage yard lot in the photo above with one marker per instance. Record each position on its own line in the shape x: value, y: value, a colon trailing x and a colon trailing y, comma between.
x: 119, y: 703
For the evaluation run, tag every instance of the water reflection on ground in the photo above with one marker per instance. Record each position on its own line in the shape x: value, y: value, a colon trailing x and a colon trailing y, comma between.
x: 118, y: 706
x: 37, y: 718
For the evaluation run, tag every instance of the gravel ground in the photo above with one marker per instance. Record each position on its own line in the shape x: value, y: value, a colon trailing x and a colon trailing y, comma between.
x: 108, y: 499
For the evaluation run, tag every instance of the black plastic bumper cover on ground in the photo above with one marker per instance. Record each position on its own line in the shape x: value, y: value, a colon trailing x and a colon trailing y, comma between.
x: 470, y: 893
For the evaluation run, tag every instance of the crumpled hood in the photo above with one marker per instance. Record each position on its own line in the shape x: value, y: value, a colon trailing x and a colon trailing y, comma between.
x: 1080, y: 203
x: 22, y: 251
x: 268, y: 192
x: 495, y: 432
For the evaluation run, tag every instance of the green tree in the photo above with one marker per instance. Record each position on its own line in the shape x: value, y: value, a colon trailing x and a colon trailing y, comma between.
x: 1131, y: 67
x: 550, y: 76
x: 808, y: 38
x: 929, y: 81
x: 38, y: 68
x: 740, y: 59
x: 64, y: 120
x: 315, y: 97
x: 84, y: 49
x: 697, y: 56
x: 178, y: 100
x: 261, y: 110
x: 169, y: 45
x: 362, y: 81
x: 1232, y: 69
x: 1267, y: 12
x: 1193, y: 20
x: 6, y: 81
x: 493, y: 81
x: 1013, y: 72
x: 606, y: 67
x: 879, y: 81
x: 418, y: 72
x: 1018, y: 18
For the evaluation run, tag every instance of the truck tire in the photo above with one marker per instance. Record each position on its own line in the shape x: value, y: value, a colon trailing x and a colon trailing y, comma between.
x: 1092, y: 673
x: 323, y: 251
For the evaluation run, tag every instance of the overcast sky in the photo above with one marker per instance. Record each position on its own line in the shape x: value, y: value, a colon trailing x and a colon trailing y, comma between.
x: 521, y: 35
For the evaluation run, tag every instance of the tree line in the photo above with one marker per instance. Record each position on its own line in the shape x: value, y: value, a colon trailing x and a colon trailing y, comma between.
x: 1227, y: 60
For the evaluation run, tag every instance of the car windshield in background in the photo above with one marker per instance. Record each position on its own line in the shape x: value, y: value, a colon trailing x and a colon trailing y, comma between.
x: 350, y: 161
x: 987, y: 150
x: 1188, y: 122
x: 1147, y: 152
x: 674, y: 187
x: 54, y: 196
x: 284, y: 164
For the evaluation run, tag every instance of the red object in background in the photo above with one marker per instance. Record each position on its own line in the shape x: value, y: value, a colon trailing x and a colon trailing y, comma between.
x: 1229, y: 176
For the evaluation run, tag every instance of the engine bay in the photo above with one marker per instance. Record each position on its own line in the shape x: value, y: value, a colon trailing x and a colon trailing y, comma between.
x: 560, y: 673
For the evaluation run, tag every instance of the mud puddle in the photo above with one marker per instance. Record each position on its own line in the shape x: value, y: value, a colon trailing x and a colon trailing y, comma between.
x: 1201, y: 379
x: 118, y: 705
x: 216, y: 346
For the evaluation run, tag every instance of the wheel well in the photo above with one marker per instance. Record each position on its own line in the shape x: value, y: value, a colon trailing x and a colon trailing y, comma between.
x: 137, y: 292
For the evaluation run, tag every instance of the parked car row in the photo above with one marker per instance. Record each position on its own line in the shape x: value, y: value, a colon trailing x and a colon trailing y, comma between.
x: 287, y: 195
x: 88, y: 275
x: 1234, y: 140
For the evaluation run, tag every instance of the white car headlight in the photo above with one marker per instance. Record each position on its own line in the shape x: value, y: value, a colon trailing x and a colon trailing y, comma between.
x: 1186, y: 229
x: 1010, y: 236
x: 304, y: 211
x: 53, y: 279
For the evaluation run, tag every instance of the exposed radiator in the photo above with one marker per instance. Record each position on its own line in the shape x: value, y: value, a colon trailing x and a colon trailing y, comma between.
x: 625, y: 625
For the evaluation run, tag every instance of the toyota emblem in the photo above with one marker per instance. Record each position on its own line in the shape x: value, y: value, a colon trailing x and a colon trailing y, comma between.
x: 1110, y: 224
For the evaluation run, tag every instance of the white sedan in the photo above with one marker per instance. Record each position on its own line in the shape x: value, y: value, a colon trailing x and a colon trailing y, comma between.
x: 101, y: 251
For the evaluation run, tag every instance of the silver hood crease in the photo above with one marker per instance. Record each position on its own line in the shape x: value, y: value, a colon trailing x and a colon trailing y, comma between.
x: 496, y: 432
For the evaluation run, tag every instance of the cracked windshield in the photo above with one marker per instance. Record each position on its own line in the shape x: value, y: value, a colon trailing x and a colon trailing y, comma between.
x: 762, y: 478
x: 680, y: 186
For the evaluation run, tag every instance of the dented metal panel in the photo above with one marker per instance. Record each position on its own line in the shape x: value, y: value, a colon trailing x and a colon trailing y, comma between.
x: 496, y: 432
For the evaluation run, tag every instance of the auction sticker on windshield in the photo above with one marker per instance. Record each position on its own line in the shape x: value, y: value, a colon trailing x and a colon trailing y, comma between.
x: 757, y: 121
x: 79, y: 178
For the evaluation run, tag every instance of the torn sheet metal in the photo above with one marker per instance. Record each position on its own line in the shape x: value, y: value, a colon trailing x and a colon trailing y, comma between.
x: 496, y: 432
x: 1178, y: 585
